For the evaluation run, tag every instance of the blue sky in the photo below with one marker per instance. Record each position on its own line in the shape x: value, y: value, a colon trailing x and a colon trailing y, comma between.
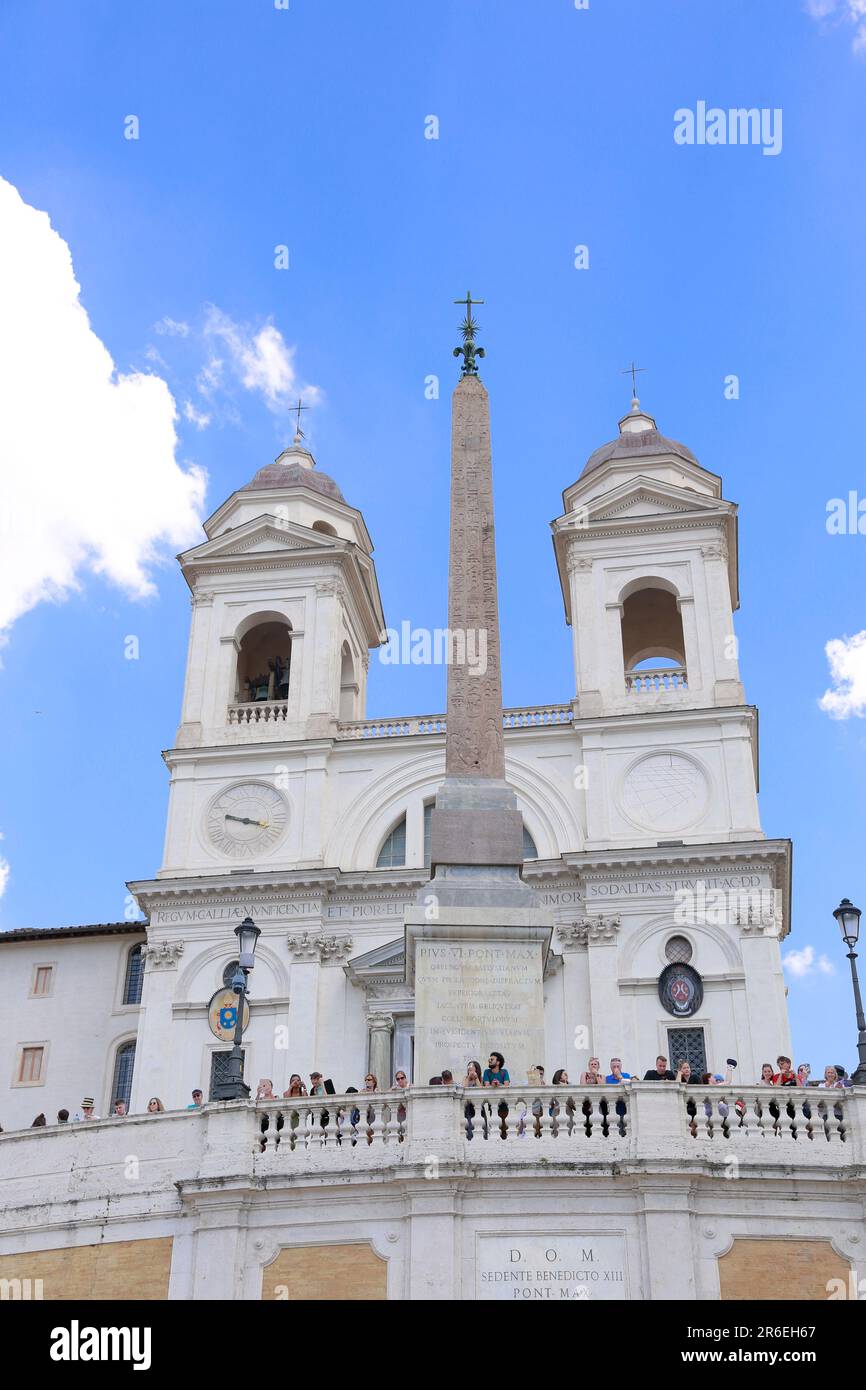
x: 305, y: 128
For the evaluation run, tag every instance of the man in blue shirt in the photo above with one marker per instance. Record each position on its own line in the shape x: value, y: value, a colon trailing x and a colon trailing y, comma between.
x: 616, y: 1072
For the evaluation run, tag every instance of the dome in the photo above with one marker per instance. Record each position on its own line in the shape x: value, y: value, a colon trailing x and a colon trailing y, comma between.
x: 638, y: 438
x: 295, y: 467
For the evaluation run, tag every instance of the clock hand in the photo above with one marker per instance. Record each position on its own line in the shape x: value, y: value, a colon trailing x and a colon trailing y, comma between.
x: 246, y: 820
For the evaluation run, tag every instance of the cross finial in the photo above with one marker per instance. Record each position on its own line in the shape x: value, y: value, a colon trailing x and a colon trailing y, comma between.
x: 469, y: 352
x: 632, y: 371
x: 296, y: 410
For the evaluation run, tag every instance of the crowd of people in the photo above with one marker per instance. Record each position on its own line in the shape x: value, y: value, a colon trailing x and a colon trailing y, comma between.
x: 495, y: 1075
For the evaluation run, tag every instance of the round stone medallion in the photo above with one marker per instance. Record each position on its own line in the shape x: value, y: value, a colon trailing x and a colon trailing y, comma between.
x: 664, y: 791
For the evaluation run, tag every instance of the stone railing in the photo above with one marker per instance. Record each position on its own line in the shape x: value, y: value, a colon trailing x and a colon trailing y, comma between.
x: 258, y: 712
x: 597, y: 1124
x: 768, y: 1118
x: 657, y: 680
x: 530, y: 716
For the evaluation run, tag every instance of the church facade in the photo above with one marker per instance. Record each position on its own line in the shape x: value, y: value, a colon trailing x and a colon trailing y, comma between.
x: 639, y: 797
x: 642, y: 840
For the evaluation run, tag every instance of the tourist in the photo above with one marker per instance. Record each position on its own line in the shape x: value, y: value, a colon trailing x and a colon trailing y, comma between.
x: 63, y: 1117
x: 401, y: 1081
x: 371, y: 1084
x: 435, y: 1080
x: 317, y: 1088
x: 86, y: 1111
x: 616, y: 1073
x: 660, y: 1072
x: 472, y: 1079
x: 804, y: 1071
x: 196, y: 1100
x: 843, y: 1076
x: 560, y: 1078
x: 785, y: 1076
x: 592, y: 1076
x: 685, y: 1073
x: 767, y: 1075
x: 119, y: 1112
x: 832, y: 1080
x: 155, y: 1106
x: 473, y: 1075
x: 447, y: 1078
x: 39, y: 1122
x: 296, y: 1087
x: 615, y: 1077
x: 265, y: 1090
x: 495, y: 1073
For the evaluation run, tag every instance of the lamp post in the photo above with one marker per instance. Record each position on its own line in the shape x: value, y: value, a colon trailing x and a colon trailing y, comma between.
x: 234, y: 1087
x: 848, y: 917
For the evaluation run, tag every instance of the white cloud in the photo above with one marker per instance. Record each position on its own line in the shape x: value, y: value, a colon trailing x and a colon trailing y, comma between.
x: 88, y: 474
x: 847, y: 660
x: 172, y: 328
x: 5, y: 870
x: 261, y: 360
x: 843, y: 12
x: 804, y: 962
x: 195, y: 417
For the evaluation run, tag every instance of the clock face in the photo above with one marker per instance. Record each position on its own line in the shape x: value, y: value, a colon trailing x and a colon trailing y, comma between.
x: 246, y: 820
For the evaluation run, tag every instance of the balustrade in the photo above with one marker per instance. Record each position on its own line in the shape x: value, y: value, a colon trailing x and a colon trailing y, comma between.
x: 658, y: 679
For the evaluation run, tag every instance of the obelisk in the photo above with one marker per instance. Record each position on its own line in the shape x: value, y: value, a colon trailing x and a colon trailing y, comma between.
x: 477, y: 942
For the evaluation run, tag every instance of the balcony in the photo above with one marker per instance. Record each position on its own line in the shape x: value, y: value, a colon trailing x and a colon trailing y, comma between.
x: 539, y: 1128
x: 659, y: 680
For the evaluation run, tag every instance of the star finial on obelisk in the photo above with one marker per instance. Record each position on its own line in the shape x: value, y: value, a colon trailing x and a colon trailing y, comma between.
x: 469, y: 352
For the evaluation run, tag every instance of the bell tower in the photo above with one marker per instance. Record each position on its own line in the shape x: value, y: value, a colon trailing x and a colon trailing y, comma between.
x: 646, y: 550
x: 285, y: 607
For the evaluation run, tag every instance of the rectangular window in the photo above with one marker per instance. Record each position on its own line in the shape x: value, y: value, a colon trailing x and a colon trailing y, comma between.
x: 687, y: 1045
x: 30, y: 1063
x: 43, y: 980
x: 219, y: 1068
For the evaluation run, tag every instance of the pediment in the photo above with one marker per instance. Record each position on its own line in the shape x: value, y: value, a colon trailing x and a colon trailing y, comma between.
x: 264, y: 535
x: 643, y: 497
x: 384, y: 960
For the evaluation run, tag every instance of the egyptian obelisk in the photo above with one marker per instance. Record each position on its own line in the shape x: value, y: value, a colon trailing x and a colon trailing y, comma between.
x: 477, y: 942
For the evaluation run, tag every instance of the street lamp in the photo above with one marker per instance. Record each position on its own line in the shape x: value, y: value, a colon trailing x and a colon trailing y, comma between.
x: 234, y: 1087
x: 848, y: 917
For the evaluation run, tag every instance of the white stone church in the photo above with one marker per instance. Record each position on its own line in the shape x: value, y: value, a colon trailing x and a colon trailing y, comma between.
x: 642, y: 840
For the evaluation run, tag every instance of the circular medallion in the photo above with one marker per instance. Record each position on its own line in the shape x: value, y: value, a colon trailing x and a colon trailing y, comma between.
x: 681, y: 990
x: 664, y: 791
x: 246, y: 820
x: 222, y: 1015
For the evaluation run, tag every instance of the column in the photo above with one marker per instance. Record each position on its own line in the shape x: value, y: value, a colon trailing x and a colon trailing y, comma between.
x: 380, y: 1026
x: 601, y: 934
x: 577, y: 1013
x: 304, y: 1003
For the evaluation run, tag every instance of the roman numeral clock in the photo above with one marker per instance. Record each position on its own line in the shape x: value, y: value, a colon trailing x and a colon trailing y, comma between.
x: 246, y: 820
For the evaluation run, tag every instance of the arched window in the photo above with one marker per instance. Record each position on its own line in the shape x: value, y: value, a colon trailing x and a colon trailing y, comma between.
x: 325, y: 527
x: 529, y: 849
x: 264, y: 660
x: 652, y: 639
x: 392, y: 855
x: 124, y: 1063
x: 134, y: 976
x: 229, y: 973
x: 348, y: 687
